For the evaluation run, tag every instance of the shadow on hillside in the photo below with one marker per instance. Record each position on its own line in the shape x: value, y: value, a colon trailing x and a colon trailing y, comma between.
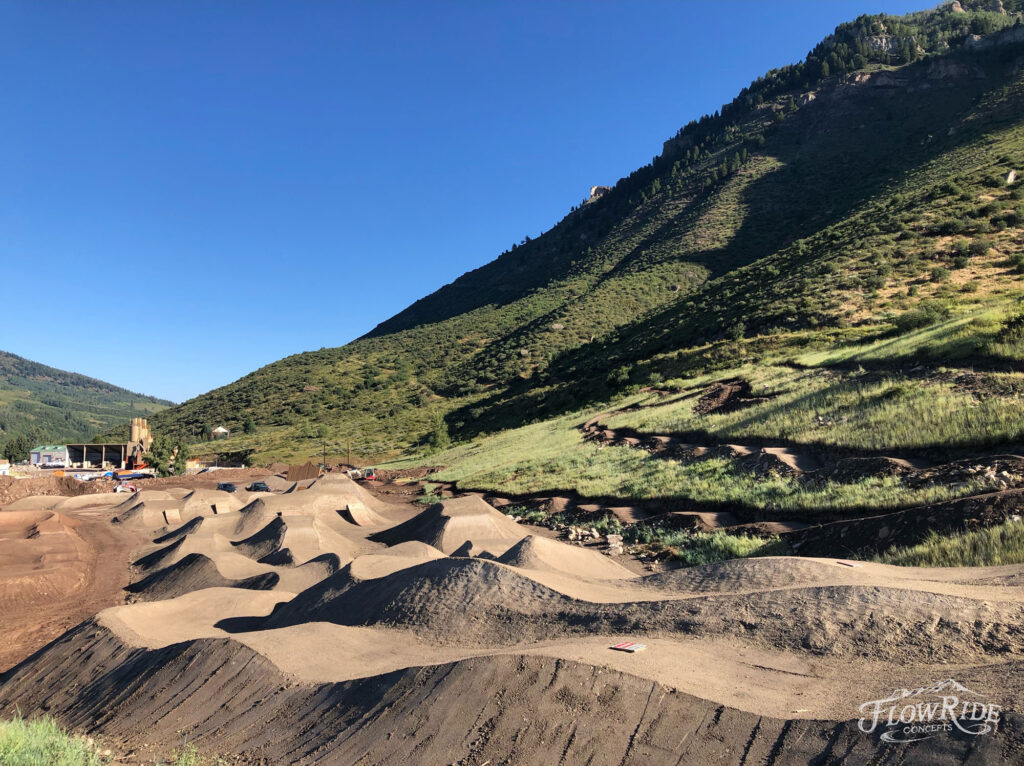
x: 843, y: 149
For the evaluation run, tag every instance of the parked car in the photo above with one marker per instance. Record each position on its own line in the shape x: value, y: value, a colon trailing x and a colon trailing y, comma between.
x: 226, y: 486
x: 258, y: 486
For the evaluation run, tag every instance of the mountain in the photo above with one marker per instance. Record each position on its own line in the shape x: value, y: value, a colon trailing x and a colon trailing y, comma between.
x: 45, y: 404
x: 859, y: 193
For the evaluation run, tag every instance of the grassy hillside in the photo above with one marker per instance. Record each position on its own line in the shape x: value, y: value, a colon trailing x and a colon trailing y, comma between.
x: 50, y: 405
x: 838, y: 207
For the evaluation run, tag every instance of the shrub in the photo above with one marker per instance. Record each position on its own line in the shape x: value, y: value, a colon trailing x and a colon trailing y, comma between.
x: 950, y: 226
x: 939, y: 274
x: 980, y: 247
x: 928, y: 313
x: 1012, y: 329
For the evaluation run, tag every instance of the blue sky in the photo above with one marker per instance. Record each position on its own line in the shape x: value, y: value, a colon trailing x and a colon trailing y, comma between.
x: 192, y: 190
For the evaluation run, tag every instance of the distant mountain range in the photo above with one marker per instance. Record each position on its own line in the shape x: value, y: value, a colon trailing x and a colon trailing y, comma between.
x: 866, y: 189
x: 49, y: 405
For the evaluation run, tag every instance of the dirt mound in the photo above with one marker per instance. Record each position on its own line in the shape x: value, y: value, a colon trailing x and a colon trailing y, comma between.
x: 193, y: 572
x: 357, y: 513
x: 390, y: 560
x: 42, y: 554
x: 279, y: 483
x: 90, y: 500
x: 264, y: 542
x: 390, y: 474
x: 12, y: 489
x: 162, y: 556
x: 146, y: 496
x: 780, y: 461
x: 546, y: 555
x: 446, y: 598
x: 150, y: 515
x: 857, y: 467
x: 207, y: 502
x: 748, y: 575
x: 727, y: 396
x: 483, y: 710
x: 185, y: 529
x: 465, y: 524
x: 156, y: 624
x: 456, y: 600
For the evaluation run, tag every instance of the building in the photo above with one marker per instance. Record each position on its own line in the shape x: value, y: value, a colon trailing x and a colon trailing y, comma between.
x: 49, y: 456
x: 5, y: 468
x: 220, y: 432
x: 113, y: 456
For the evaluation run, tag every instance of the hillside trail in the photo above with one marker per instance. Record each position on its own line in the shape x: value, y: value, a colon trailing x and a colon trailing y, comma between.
x: 762, y: 457
x: 729, y: 396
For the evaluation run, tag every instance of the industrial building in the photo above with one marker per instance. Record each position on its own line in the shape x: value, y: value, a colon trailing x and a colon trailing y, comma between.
x: 112, y: 456
x: 49, y: 456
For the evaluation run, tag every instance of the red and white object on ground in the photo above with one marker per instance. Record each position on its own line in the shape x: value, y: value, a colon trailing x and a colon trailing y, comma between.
x: 629, y: 646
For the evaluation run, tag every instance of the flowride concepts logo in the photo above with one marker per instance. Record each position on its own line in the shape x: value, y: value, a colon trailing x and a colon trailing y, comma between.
x: 910, y: 715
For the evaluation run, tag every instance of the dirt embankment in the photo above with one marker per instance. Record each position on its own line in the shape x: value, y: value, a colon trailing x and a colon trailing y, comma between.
x: 12, y: 489
x: 512, y: 709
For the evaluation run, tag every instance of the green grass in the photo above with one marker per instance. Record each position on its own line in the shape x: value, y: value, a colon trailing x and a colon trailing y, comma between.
x: 1003, y: 544
x: 430, y: 495
x: 525, y: 514
x: 697, y: 548
x: 41, y: 742
x: 858, y: 409
x: 691, y: 548
x: 552, y: 456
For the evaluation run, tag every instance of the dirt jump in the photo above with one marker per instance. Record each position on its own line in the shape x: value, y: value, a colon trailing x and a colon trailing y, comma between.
x: 326, y: 626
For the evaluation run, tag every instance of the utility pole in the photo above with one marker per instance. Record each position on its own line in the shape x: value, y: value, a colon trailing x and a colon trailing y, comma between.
x: 325, y: 456
x: 350, y: 451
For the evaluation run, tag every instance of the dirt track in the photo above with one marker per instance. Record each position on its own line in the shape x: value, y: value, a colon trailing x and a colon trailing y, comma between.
x: 327, y: 626
x: 57, y: 570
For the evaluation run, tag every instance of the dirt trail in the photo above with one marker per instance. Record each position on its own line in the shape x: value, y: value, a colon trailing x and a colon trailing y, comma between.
x: 57, y: 569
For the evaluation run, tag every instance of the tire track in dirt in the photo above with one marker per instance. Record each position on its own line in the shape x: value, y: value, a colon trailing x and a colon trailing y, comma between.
x: 58, y: 572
